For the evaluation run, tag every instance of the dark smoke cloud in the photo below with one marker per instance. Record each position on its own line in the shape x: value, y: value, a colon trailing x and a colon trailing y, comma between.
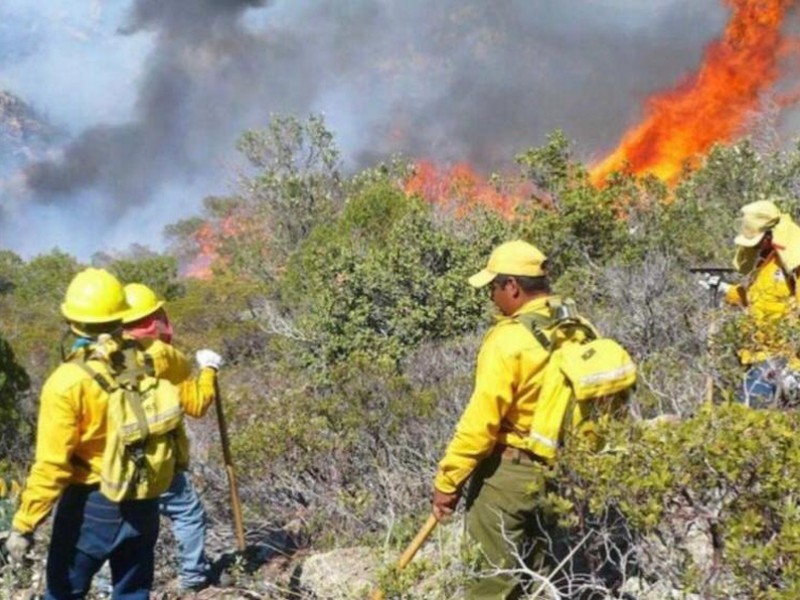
x: 448, y: 80
x: 187, y: 17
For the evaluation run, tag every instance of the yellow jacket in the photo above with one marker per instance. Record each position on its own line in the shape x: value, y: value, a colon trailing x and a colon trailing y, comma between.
x: 171, y: 364
x: 770, y: 299
x: 508, y: 379
x: 72, y: 422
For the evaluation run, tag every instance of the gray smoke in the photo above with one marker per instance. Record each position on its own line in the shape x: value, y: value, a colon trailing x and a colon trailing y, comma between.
x: 450, y: 80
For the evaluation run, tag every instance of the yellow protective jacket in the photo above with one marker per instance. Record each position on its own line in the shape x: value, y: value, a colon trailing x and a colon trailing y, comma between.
x: 508, y: 379
x: 770, y: 297
x: 196, y: 394
x: 72, y: 421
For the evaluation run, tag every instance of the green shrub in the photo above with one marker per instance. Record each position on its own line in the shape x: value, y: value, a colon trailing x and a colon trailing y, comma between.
x: 382, y: 279
x: 729, y: 470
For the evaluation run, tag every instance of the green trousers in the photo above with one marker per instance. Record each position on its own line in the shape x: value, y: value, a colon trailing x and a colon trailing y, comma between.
x: 502, y: 518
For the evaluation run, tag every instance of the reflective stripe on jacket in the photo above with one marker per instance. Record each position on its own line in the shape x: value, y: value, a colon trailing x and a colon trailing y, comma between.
x: 508, y: 378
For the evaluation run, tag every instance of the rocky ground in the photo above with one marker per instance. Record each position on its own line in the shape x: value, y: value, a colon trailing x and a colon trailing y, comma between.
x: 274, y: 566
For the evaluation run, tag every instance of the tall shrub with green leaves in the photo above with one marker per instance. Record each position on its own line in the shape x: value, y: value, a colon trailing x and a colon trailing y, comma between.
x: 15, y: 426
x: 572, y: 221
x: 291, y: 184
x: 383, y: 278
x: 30, y: 318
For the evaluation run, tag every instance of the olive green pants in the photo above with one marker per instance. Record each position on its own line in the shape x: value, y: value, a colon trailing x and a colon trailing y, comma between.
x: 503, y: 520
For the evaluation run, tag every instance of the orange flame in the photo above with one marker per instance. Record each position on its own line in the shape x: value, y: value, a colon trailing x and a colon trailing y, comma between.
x: 711, y: 105
x: 208, y: 238
x: 463, y: 189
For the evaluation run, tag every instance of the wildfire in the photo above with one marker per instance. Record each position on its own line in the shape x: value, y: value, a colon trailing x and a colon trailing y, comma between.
x: 713, y: 104
x: 208, y: 238
x: 462, y: 188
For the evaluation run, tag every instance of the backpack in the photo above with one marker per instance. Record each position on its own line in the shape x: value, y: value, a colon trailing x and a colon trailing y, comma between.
x: 586, y: 378
x: 146, y: 442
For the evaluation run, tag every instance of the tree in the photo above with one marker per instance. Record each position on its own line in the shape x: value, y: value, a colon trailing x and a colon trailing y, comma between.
x: 291, y: 185
x: 45, y: 278
x: 15, y: 425
x: 159, y: 272
x: 382, y: 279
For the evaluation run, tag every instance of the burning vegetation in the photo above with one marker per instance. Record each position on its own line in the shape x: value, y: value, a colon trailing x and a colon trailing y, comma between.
x: 712, y: 105
x: 715, y: 104
x: 463, y: 189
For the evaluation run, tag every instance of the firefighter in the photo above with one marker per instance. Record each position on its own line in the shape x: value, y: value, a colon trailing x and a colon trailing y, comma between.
x: 147, y: 321
x: 88, y: 529
x: 490, y: 440
x: 768, y: 258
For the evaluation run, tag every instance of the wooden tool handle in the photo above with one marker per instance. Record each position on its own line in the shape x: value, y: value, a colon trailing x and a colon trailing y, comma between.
x: 417, y: 542
x: 236, y: 505
x: 411, y: 550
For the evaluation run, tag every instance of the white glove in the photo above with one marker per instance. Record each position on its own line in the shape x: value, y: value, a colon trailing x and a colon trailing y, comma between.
x: 208, y: 358
x: 18, y: 544
x: 709, y: 281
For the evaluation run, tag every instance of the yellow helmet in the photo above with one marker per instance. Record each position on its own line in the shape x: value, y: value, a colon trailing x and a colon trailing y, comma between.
x: 94, y: 296
x: 142, y: 300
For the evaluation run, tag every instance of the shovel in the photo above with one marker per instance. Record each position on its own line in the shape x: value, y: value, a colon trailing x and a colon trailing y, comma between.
x: 411, y: 550
x: 226, y: 456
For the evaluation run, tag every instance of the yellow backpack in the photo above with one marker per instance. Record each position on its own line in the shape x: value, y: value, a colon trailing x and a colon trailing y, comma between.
x: 146, y: 441
x: 585, y: 379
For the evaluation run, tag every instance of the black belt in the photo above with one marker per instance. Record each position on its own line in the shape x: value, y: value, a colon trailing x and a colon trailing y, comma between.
x: 517, y: 455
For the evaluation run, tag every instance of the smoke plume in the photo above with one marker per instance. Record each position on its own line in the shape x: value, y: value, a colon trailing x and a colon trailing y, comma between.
x: 455, y: 80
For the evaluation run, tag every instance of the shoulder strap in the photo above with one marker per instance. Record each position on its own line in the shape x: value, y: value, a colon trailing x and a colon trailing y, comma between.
x: 536, y: 325
x: 130, y: 376
x: 135, y: 402
x: 135, y: 349
x: 107, y: 384
x: 791, y: 280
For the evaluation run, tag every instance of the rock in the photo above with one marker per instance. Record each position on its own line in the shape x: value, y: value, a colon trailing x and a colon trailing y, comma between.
x: 338, y: 574
x: 699, y: 546
x: 638, y: 588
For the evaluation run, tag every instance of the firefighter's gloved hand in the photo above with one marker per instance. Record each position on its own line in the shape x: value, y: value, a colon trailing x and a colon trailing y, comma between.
x: 710, y: 281
x: 208, y: 358
x: 18, y: 544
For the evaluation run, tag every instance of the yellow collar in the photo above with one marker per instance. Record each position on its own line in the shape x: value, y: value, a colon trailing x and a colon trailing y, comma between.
x: 536, y: 305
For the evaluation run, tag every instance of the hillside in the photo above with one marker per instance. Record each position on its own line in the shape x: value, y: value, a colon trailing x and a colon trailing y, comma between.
x: 340, y: 304
x: 24, y: 135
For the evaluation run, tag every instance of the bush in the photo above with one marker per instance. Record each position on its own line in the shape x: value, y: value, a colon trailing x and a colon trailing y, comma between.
x: 16, y: 431
x: 727, y: 471
x: 382, y: 279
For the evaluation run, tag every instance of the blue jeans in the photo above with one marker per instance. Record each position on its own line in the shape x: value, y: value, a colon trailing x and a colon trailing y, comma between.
x: 761, y: 381
x: 89, y: 529
x: 182, y: 506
